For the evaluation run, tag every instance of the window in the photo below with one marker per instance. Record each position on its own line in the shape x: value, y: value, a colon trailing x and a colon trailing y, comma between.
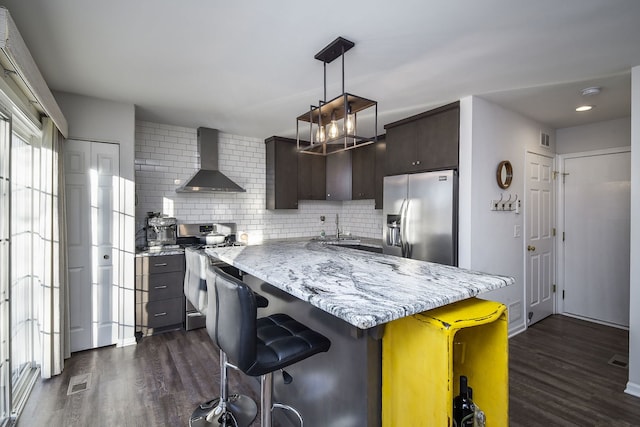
x: 5, y: 277
x: 23, y: 227
x: 19, y: 269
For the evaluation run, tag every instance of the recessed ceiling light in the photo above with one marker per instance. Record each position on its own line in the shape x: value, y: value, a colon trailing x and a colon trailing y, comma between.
x: 584, y: 108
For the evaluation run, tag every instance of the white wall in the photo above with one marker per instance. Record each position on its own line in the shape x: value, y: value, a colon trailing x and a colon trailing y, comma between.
x: 96, y: 119
x: 93, y: 119
x: 166, y: 153
x: 633, y: 386
x: 487, y: 241
x: 596, y: 136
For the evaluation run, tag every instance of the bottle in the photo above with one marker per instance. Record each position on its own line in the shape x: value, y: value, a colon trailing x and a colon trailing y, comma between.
x: 479, y: 418
x: 463, y: 408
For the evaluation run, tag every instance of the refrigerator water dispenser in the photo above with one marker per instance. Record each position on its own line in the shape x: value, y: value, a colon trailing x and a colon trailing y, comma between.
x: 394, y: 237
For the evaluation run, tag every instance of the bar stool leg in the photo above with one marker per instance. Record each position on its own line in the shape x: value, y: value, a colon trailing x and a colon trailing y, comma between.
x: 266, y: 399
x: 235, y: 411
x: 266, y: 402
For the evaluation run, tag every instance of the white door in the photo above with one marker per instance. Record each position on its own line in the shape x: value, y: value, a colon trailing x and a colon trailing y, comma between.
x: 597, y: 226
x: 91, y: 173
x: 539, y: 226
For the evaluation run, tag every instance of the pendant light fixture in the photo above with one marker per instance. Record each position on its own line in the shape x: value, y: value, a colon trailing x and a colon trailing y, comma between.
x: 332, y: 125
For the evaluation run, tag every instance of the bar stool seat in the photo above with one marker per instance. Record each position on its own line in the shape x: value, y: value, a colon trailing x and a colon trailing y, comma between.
x: 283, y: 341
x: 262, y: 346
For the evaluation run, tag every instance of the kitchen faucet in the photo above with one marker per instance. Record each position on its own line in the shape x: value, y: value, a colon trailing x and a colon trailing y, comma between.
x: 337, y: 228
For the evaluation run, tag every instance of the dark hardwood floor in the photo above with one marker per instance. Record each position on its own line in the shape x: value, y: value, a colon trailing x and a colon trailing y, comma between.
x: 158, y: 382
x: 559, y: 376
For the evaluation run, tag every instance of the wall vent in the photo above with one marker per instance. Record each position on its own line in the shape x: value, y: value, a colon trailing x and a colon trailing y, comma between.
x: 544, y: 139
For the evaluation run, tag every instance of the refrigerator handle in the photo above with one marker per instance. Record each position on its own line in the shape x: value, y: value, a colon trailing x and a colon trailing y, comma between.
x: 403, y: 210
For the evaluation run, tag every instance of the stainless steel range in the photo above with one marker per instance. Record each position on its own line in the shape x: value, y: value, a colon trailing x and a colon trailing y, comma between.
x: 199, y: 237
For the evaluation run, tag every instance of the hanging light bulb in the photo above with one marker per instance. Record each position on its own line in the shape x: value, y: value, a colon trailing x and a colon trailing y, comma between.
x: 333, y: 127
x: 320, y: 134
x: 350, y: 123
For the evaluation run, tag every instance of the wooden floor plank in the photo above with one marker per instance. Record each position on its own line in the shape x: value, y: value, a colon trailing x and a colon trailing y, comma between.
x: 559, y: 376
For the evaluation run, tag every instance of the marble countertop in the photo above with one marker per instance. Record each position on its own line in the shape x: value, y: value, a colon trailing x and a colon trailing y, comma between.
x: 159, y: 252
x: 362, y: 288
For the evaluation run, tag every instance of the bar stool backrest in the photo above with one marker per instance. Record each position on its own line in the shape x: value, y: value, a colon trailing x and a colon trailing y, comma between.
x: 236, y: 329
x: 195, y: 286
x: 212, y: 309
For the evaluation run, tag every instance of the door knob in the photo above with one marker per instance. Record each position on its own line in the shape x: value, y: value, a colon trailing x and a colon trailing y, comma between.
x: 106, y: 257
x: 531, y: 248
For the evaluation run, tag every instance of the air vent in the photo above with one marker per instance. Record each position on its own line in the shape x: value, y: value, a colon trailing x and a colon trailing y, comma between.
x: 544, y: 139
x: 619, y: 361
x: 79, y: 383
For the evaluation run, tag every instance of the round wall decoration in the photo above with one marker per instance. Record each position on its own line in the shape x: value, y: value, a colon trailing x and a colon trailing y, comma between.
x: 504, y: 174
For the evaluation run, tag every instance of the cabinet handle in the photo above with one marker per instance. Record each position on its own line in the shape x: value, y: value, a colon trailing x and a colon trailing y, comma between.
x: 164, y: 264
x: 160, y: 287
x: 164, y: 313
x: 418, y: 162
x: 413, y: 163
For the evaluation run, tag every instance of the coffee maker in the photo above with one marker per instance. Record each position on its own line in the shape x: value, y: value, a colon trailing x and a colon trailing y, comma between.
x: 161, y: 230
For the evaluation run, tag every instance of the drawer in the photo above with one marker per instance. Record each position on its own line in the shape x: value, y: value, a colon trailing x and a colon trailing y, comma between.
x: 159, y: 264
x: 154, y: 287
x: 156, y: 314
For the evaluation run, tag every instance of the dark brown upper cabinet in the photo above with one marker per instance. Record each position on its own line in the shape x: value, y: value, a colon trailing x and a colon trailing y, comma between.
x: 312, y: 177
x: 355, y: 174
x: 281, y: 173
x: 339, y: 176
x: 380, y: 149
x: 427, y: 141
x: 363, y: 166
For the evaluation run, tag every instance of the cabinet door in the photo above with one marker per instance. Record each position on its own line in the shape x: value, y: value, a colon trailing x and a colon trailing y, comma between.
x: 401, y: 149
x: 311, y: 177
x: 281, y: 173
x: 159, y: 264
x: 363, y: 170
x: 380, y: 149
x: 339, y: 176
x: 438, y: 141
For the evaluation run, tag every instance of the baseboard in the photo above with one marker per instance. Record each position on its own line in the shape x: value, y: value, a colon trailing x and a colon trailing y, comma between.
x: 600, y: 322
x: 127, y: 341
x: 513, y: 331
x: 633, y: 389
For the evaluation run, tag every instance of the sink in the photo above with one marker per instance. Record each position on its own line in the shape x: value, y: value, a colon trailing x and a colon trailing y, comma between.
x: 337, y: 241
x: 342, y: 241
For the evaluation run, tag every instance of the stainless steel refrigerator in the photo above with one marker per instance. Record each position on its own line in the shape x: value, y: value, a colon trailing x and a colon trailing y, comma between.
x: 420, y: 216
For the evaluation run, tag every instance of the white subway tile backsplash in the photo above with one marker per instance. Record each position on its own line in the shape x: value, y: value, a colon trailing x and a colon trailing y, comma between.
x: 165, y: 153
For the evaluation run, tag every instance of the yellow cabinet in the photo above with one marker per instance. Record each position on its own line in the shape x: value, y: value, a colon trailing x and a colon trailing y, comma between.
x: 424, y: 355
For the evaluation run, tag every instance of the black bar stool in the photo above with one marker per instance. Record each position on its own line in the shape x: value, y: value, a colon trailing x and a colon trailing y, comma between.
x: 262, y: 346
x: 226, y: 410
x: 195, y: 279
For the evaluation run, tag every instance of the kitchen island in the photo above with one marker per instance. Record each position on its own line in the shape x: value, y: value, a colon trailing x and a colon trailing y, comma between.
x: 347, y: 295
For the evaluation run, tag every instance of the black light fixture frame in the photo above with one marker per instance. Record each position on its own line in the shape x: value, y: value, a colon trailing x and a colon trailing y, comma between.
x: 338, y: 108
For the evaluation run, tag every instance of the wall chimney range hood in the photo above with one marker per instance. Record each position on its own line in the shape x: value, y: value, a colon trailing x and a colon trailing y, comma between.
x: 208, y: 179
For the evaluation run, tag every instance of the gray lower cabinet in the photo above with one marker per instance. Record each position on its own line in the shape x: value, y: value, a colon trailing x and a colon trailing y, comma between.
x: 159, y: 293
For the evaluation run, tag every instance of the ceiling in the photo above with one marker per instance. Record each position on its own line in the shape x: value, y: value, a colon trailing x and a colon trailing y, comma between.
x: 248, y: 68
